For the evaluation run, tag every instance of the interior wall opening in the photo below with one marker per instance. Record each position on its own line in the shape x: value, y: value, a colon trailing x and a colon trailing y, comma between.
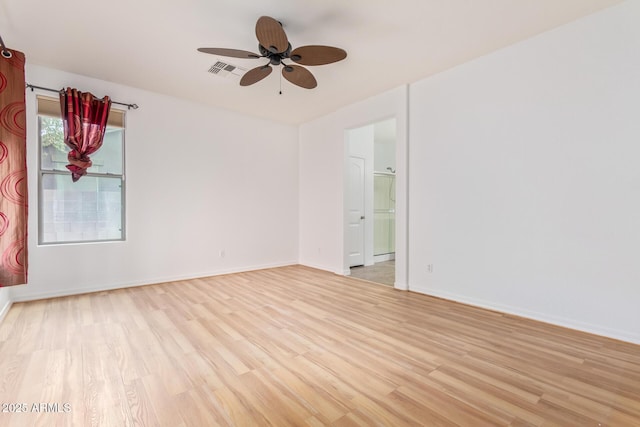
x: 370, y: 228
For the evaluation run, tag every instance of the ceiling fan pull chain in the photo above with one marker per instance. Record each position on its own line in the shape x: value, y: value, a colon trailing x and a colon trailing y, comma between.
x: 280, y: 83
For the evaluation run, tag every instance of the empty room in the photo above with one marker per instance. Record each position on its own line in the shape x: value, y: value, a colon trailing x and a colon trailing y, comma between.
x: 323, y: 213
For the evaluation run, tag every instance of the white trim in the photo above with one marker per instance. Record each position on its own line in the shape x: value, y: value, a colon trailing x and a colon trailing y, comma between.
x: 403, y: 200
x: 5, y: 309
x: 401, y: 286
x: 154, y: 281
x: 564, y: 322
x: 384, y: 257
x: 325, y: 268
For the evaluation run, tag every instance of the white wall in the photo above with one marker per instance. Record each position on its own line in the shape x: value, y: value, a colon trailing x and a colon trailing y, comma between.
x: 322, y: 151
x: 385, y: 145
x: 525, y: 185
x: 199, y: 180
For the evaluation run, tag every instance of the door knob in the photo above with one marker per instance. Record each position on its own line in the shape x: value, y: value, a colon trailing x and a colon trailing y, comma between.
x: 362, y: 217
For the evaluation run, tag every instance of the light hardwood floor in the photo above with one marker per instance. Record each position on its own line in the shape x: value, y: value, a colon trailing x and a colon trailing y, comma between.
x: 295, y: 346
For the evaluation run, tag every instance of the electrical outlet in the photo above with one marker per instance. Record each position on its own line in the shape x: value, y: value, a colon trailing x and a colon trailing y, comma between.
x: 430, y: 268
x: 222, y: 253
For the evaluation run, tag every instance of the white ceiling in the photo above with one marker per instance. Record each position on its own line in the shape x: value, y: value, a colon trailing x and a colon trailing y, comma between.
x: 151, y: 44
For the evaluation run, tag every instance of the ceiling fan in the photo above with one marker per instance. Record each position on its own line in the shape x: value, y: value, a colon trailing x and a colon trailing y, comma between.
x: 274, y: 46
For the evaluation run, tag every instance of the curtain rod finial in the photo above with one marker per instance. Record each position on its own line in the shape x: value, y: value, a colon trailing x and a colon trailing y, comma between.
x: 6, y: 53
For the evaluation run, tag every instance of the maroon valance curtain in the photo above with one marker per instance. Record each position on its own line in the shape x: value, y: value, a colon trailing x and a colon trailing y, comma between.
x: 84, y: 118
x: 13, y: 171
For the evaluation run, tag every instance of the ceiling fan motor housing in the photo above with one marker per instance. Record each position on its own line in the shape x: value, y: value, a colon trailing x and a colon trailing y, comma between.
x: 275, y: 58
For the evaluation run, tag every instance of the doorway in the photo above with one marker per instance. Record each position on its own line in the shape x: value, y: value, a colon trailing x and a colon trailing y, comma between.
x: 370, y: 227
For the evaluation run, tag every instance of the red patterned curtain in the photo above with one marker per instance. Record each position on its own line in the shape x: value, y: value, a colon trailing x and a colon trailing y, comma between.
x: 13, y: 171
x: 84, y: 118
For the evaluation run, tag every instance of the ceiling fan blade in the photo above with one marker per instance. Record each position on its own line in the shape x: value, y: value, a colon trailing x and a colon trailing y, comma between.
x: 234, y: 53
x: 317, y: 55
x: 271, y: 35
x: 255, y: 75
x: 299, y: 76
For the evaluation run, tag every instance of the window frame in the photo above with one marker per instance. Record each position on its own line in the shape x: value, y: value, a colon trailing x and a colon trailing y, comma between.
x: 42, y: 172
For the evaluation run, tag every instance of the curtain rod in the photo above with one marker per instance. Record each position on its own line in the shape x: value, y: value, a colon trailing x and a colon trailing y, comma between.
x: 32, y: 87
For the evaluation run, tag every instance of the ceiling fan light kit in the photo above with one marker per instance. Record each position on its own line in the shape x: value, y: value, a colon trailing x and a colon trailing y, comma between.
x: 274, y: 46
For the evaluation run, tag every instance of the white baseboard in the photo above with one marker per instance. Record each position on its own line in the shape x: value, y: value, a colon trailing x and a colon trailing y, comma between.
x: 384, y: 257
x: 621, y: 335
x: 4, y: 310
x: 325, y: 268
x: 401, y: 286
x: 77, y: 291
x: 627, y: 336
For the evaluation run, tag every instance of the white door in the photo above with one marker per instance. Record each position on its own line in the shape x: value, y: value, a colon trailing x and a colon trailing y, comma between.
x: 355, y: 222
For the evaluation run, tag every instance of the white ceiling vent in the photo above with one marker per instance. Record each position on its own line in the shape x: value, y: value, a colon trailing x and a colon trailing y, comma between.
x: 222, y: 69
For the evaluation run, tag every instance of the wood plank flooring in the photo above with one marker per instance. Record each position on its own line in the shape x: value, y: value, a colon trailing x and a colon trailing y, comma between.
x: 295, y: 346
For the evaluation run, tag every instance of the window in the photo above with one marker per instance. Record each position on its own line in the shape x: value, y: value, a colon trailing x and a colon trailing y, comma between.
x: 91, y: 209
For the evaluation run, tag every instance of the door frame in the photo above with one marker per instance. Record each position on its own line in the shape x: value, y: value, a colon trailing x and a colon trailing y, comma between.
x: 402, y: 193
